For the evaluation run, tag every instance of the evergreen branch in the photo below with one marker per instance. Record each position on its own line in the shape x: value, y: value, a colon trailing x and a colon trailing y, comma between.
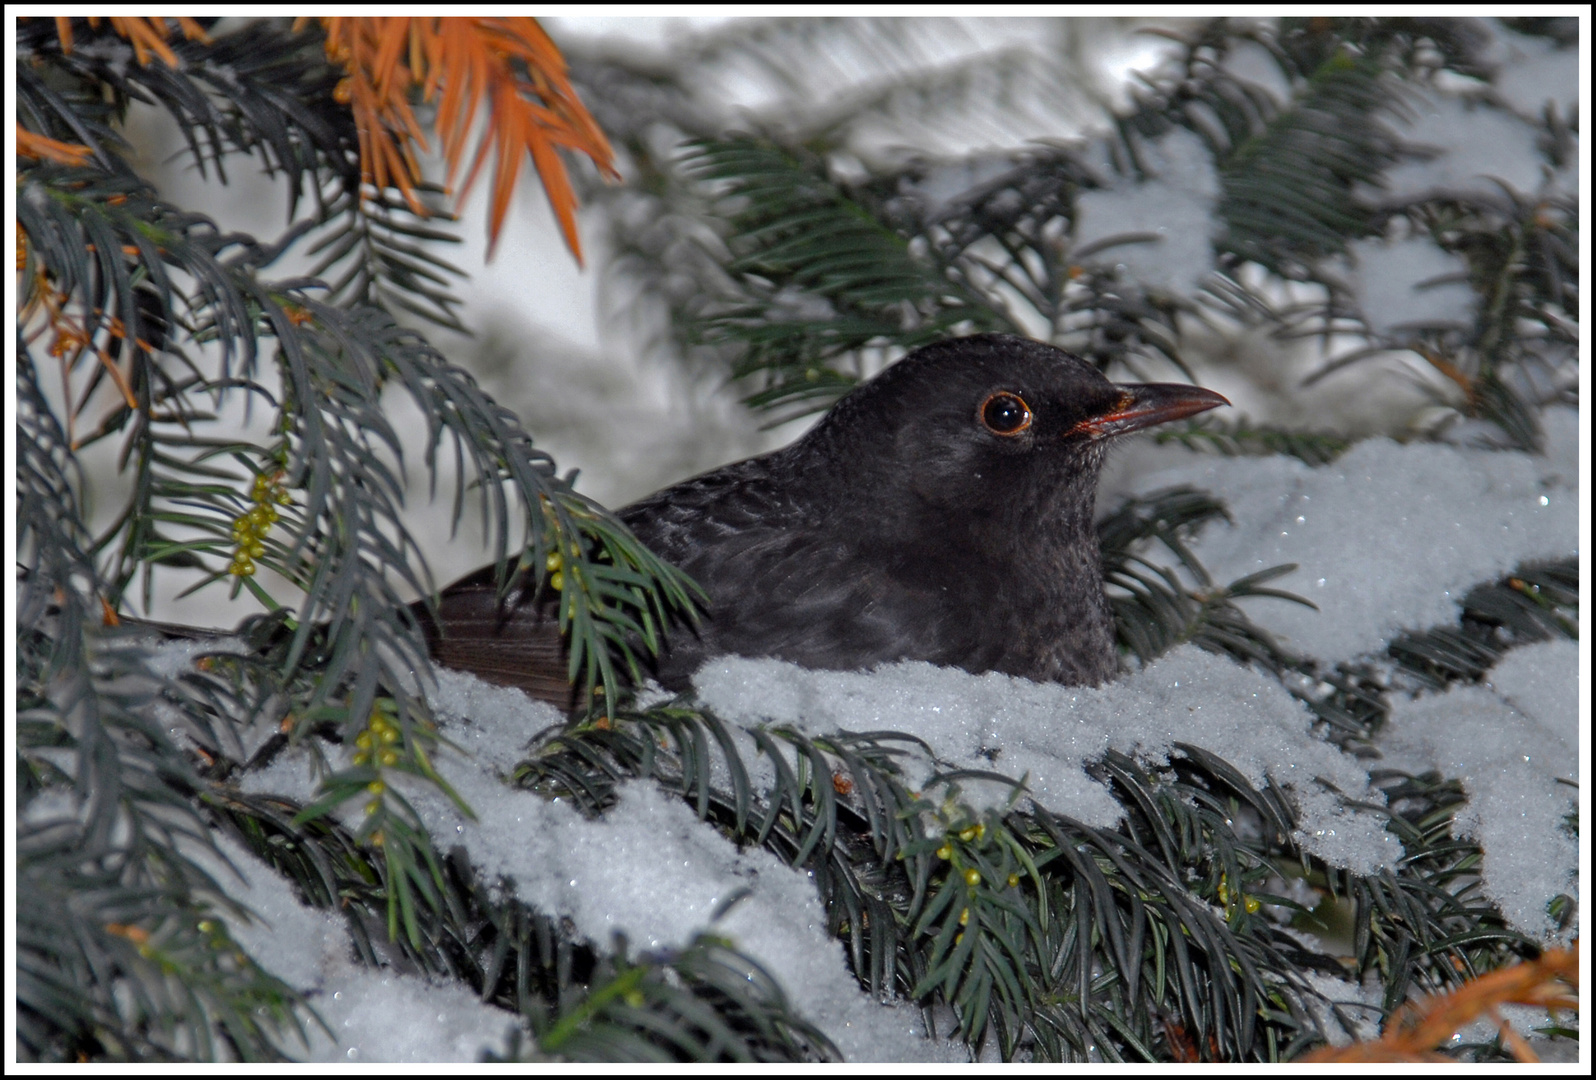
x: 977, y: 910
x: 1288, y: 191
x: 702, y: 1003
x: 375, y: 253
x: 510, y: 62
x: 1178, y: 820
x: 1424, y: 927
x: 821, y: 278
x: 119, y: 951
x: 263, y: 91
x: 333, y: 366
x: 255, y: 90
x: 1537, y: 602
x: 100, y: 244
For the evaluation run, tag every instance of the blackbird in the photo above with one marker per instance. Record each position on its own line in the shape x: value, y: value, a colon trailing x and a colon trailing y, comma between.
x: 942, y: 511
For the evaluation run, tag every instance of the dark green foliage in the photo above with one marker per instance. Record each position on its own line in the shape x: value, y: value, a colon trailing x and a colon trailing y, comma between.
x: 112, y: 965
x: 375, y: 252
x: 1288, y: 170
x: 262, y: 91
x: 336, y: 446
x: 828, y: 277
x: 1289, y: 190
x: 820, y: 277
x: 256, y: 90
x: 122, y: 287
x: 120, y: 954
x: 1010, y: 237
x: 1535, y: 603
x: 117, y: 952
x: 1521, y: 255
x: 702, y: 1003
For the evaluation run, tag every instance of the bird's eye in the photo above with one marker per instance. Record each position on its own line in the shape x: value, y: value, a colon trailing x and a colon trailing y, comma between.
x: 1005, y: 414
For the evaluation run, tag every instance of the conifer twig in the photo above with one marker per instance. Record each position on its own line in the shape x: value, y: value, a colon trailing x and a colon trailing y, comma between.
x: 533, y: 108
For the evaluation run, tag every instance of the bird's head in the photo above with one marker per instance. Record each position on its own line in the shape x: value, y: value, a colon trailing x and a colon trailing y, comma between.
x: 993, y: 424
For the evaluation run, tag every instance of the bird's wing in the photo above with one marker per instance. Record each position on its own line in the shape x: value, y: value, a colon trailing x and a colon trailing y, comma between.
x: 788, y: 575
x: 745, y: 502
x: 518, y: 643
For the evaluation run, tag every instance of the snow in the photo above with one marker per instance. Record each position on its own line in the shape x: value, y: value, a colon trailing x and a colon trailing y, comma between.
x: 170, y: 659
x: 943, y: 182
x: 1475, y: 146
x: 1532, y: 71
x: 381, y: 1015
x: 1510, y: 766
x: 1359, y: 1007
x: 1541, y: 682
x: 374, y: 1015
x: 1176, y: 203
x: 1386, y: 538
x: 608, y: 875
x: 1397, y: 284
x: 1252, y: 63
x: 498, y: 722
x: 1048, y: 733
x: 173, y: 658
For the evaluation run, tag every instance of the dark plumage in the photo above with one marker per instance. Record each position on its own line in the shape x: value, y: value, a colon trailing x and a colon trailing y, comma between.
x: 942, y: 511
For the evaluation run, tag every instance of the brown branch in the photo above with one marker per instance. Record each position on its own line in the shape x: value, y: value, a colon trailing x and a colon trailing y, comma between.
x: 1416, y: 1029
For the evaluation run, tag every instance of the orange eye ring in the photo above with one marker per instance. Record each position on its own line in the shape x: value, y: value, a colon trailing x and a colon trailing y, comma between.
x: 1004, y: 413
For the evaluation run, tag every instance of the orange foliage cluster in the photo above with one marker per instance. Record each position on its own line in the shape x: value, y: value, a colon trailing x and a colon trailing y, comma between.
x: 511, y: 62
x: 42, y: 147
x: 147, y: 36
x: 1414, y: 1031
